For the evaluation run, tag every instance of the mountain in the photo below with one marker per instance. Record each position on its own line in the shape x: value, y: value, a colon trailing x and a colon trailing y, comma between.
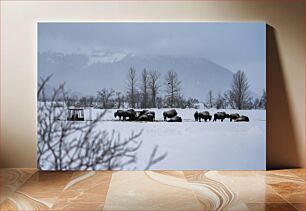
x: 83, y: 76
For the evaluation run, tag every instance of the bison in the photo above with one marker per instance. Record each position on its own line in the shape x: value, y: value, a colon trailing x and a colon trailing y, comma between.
x: 143, y: 112
x: 221, y: 116
x: 175, y: 119
x: 196, y: 116
x: 204, y: 115
x: 242, y: 119
x: 234, y: 116
x: 146, y: 117
x: 169, y: 114
x: 149, y: 113
x: 131, y: 114
x: 120, y: 114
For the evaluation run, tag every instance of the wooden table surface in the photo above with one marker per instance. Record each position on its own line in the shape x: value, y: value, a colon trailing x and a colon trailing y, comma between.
x: 29, y: 189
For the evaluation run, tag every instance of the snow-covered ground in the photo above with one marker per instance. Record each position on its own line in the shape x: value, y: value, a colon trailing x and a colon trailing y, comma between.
x: 197, y: 145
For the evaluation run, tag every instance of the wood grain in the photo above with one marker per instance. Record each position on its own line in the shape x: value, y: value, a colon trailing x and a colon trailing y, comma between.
x: 28, y: 189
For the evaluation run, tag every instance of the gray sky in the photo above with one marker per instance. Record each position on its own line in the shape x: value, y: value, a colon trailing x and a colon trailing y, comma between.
x: 235, y: 46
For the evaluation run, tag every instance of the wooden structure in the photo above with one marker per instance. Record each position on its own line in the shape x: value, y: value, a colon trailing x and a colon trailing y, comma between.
x: 75, y: 114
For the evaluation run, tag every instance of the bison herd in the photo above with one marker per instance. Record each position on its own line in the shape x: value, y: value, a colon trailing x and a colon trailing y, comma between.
x: 171, y: 116
x: 132, y: 115
x: 221, y: 116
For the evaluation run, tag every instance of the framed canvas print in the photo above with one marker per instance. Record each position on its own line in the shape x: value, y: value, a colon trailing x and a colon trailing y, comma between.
x: 151, y: 96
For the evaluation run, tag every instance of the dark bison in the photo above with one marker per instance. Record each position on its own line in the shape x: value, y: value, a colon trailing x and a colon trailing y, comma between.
x: 131, y: 114
x: 147, y: 117
x: 242, y: 119
x: 120, y: 114
x: 196, y: 116
x: 169, y: 114
x: 234, y: 116
x: 221, y: 116
x: 175, y: 119
x: 204, y: 115
x: 143, y: 112
x: 151, y: 114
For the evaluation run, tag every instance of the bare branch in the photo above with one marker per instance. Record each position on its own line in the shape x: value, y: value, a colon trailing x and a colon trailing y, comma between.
x: 73, y: 145
x: 153, y: 160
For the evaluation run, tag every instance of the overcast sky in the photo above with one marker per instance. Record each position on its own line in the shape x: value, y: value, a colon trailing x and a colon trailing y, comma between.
x: 236, y: 46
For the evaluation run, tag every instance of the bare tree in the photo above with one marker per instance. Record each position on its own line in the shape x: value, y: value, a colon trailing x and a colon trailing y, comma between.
x: 86, y: 101
x: 90, y: 101
x: 257, y: 104
x: 225, y: 98
x: 104, y: 96
x: 192, y: 103
x: 173, y: 87
x: 131, y: 87
x: 209, y: 100
x: 138, y: 99
x: 71, y: 100
x: 220, y: 101
x: 228, y: 101
x: 71, y: 145
x: 239, y: 95
x: 144, y: 88
x: 119, y: 99
x: 263, y: 99
x: 260, y: 102
x: 154, y: 86
x: 159, y: 102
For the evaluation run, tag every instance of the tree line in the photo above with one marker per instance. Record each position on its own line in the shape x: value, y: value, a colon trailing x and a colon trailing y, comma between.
x: 145, y: 91
x: 237, y: 97
x: 150, y: 90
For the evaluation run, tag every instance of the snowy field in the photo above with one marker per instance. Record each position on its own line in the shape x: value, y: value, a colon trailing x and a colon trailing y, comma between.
x: 197, y: 145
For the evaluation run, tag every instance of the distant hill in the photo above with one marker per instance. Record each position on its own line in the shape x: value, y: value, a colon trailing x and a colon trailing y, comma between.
x: 85, y: 74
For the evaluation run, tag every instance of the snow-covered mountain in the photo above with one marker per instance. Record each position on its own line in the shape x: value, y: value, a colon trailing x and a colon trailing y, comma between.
x: 88, y: 73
